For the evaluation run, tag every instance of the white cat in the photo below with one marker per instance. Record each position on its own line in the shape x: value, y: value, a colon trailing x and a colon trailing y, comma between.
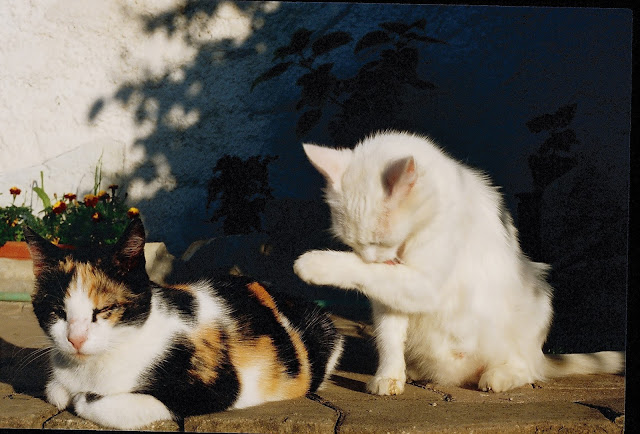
x: 454, y: 299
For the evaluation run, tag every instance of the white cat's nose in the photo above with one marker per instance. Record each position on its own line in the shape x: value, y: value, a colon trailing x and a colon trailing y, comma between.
x: 369, y: 254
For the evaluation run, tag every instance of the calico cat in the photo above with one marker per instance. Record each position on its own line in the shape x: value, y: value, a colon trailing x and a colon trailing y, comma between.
x: 127, y: 352
x: 454, y: 299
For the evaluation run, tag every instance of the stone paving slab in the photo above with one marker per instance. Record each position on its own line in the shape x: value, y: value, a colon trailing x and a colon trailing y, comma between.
x: 575, y: 404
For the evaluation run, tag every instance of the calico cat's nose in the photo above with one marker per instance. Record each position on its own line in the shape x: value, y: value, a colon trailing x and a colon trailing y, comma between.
x: 77, y: 340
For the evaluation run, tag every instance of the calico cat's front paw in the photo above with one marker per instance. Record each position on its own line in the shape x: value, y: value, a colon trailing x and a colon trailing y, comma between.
x: 82, y: 401
x: 385, y: 386
x: 327, y: 267
x: 57, y: 395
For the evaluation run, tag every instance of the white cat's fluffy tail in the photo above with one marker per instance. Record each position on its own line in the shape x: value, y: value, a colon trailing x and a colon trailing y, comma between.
x: 603, y: 362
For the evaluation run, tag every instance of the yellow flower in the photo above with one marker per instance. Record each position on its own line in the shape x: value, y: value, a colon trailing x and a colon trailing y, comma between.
x: 103, y: 195
x: 59, y: 207
x: 70, y: 196
x: 96, y: 217
x: 133, y: 212
x: 14, y: 191
x: 90, y: 200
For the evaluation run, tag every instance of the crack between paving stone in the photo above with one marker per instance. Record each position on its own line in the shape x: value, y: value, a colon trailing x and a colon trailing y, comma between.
x: 49, y: 419
x: 607, y: 412
x: 445, y: 396
x: 332, y: 406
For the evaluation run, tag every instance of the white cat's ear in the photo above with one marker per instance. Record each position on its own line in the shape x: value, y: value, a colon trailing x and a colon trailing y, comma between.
x: 399, y: 177
x: 331, y: 163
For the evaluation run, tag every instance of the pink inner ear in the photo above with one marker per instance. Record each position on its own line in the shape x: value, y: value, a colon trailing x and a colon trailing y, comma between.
x: 400, y: 177
x: 331, y: 163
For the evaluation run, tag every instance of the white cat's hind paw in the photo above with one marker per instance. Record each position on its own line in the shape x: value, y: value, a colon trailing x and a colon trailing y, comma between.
x: 499, y: 380
x: 385, y: 386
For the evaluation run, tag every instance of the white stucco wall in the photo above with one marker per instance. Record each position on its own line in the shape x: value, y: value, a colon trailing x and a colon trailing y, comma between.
x: 75, y: 75
x: 59, y: 57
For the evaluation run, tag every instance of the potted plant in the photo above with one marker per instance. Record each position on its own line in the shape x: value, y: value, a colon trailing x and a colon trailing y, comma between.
x: 99, y: 218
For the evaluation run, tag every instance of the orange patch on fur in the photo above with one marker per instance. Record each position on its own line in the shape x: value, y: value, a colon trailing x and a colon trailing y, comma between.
x: 260, y: 352
x: 182, y: 287
x: 274, y: 382
x: 262, y: 294
x: 207, y: 354
x: 103, y: 291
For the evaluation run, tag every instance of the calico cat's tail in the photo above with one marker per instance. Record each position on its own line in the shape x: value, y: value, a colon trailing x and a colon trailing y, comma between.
x: 603, y: 362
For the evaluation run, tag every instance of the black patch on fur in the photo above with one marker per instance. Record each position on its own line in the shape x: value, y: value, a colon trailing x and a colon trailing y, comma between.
x: 258, y: 320
x: 318, y: 332
x: 92, y: 397
x: 183, y: 301
x: 170, y: 382
x: 48, y: 299
x: 137, y: 311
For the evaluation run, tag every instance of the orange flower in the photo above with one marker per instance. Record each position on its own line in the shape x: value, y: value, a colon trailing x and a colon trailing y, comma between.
x: 90, y: 200
x: 133, y: 212
x: 70, y: 196
x: 103, y: 195
x: 15, y: 191
x: 96, y: 217
x: 59, y: 207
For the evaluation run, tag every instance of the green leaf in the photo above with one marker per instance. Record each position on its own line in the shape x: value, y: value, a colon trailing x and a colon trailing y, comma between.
x: 371, y: 39
x: 44, y: 197
x: 271, y: 73
x: 328, y: 42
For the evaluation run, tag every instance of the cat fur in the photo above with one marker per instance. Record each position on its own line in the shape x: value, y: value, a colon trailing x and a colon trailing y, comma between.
x: 128, y: 352
x: 454, y: 299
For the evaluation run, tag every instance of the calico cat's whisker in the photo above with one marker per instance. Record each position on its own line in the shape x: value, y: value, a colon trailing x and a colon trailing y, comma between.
x: 31, y: 358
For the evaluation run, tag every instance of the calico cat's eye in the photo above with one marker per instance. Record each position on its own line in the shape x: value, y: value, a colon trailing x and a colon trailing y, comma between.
x: 59, y: 312
x: 105, y: 310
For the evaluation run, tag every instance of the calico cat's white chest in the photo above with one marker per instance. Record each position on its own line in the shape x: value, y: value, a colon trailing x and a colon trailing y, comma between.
x: 124, y: 367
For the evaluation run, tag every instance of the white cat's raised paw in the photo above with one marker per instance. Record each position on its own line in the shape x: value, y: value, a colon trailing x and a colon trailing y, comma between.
x: 385, y: 386
x: 325, y: 267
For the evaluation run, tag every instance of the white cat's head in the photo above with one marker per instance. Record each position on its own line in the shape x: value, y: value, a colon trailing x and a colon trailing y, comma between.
x: 370, y: 195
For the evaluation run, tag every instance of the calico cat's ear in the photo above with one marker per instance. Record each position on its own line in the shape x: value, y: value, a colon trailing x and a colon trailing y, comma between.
x: 399, y: 177
x: 43, y: 253
x: 128, y: 253
x: 331, y: 163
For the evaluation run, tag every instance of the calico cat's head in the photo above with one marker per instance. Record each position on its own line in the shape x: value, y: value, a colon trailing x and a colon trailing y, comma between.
x: 370, y: 197
x: 87, y: 300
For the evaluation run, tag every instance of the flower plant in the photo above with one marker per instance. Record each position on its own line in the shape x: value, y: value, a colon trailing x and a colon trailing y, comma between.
x: 96, y: 219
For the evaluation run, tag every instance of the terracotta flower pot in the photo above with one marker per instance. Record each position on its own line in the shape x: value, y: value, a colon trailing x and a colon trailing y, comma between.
x: 19, y: 250
x: 15, y: 250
